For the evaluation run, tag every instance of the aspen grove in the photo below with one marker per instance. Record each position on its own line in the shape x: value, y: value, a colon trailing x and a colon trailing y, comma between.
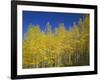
x: 59, y: 48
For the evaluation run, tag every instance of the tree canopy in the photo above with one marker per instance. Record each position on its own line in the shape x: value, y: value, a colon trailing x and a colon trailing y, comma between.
x: 58, y: 48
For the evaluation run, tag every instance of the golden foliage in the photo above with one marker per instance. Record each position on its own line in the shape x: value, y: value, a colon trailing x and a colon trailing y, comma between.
x: 57, y: 49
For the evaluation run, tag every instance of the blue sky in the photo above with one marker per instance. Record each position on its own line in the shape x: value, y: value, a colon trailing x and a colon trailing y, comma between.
x: 54, y: 18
